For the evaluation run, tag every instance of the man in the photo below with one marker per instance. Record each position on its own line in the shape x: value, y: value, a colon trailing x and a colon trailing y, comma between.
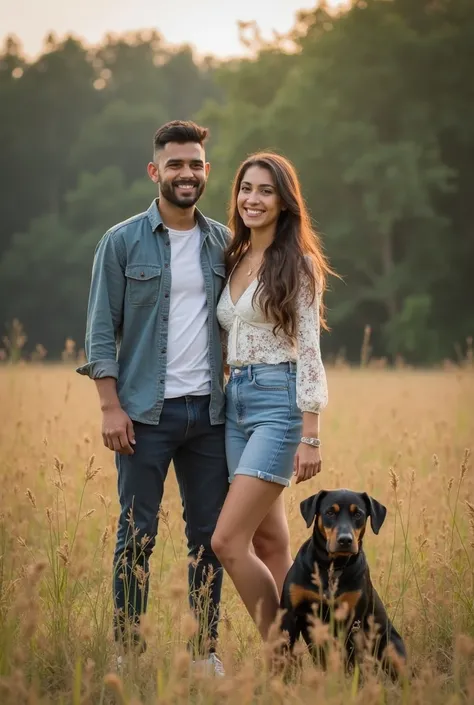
x: 154, y: 351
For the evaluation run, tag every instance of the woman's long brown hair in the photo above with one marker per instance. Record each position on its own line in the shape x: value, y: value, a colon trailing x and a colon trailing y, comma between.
x: 286, y: 259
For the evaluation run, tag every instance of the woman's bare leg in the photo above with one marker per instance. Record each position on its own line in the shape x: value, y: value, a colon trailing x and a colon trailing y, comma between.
x: 272, y: 542
x: 248, y: 502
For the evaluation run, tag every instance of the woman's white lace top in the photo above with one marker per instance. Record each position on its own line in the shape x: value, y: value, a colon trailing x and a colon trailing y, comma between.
x: 250, y: 340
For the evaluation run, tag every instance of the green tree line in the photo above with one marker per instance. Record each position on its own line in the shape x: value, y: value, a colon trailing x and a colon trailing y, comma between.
x: 374, y: 105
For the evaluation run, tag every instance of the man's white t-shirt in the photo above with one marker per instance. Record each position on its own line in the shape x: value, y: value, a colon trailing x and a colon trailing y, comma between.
x: 187, y: 369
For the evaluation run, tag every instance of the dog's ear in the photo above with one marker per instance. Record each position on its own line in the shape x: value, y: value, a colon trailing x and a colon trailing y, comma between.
x: 376, y: 511
x: 310, y: 506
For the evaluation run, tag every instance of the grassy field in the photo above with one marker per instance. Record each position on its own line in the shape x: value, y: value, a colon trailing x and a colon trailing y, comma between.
x: 401, y: 436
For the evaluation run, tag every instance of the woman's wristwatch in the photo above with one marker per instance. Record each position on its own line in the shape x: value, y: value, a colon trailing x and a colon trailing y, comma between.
x: 315, y: 442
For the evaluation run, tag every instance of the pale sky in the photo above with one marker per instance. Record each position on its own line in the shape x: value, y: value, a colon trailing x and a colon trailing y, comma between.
x: 209, y: 25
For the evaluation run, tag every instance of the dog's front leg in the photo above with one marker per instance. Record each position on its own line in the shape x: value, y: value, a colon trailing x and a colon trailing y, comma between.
x: 283, y: 657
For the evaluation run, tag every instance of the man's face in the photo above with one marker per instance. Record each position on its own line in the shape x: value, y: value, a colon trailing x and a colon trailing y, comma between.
x: 181, y: 171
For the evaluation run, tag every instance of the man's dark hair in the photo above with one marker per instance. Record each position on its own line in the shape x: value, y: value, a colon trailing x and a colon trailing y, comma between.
x: 180, y: 131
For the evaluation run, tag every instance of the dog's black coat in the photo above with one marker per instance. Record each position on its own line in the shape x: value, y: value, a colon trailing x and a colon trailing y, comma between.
x: 354, y: 587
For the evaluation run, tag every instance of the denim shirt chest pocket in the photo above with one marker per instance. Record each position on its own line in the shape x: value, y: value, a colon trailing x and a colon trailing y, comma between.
x: 218, y: 271
x: 143, y: 284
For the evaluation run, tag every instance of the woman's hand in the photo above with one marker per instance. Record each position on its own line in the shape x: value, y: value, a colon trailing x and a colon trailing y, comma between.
x: 307, y: 462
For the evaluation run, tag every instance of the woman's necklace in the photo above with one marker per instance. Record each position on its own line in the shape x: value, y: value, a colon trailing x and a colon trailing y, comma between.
x: 252, y: 266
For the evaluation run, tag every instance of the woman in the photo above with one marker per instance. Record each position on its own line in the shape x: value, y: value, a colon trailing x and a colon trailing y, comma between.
x: 271, y: 309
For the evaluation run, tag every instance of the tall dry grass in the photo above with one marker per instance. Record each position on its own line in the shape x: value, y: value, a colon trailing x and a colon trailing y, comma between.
x: 401, y: 436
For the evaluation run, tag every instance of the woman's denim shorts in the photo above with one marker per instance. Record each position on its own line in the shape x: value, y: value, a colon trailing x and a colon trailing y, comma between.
x: 263, y: 423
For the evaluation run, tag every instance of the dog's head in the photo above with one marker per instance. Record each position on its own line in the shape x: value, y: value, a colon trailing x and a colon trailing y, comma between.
x: 341, y: 516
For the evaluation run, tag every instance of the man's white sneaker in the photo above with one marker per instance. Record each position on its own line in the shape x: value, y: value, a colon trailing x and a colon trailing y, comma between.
x: 212, y: 665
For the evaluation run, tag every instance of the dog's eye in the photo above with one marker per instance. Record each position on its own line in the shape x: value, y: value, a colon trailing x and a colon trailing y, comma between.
x: 330, y: 512
x: 357, y: 515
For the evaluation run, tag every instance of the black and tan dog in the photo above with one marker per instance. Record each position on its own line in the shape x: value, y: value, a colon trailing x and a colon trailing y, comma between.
x: 335, y: 553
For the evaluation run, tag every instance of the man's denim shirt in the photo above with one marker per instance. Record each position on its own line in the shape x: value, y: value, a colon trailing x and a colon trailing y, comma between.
x: 129, y: 302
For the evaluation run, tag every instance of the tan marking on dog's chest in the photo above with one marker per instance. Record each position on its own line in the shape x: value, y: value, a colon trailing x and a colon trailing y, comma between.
x: 349, y: 598
x: 299, y: 594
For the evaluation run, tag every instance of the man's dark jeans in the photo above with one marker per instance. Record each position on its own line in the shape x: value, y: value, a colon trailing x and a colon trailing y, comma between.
x: 186, y: 437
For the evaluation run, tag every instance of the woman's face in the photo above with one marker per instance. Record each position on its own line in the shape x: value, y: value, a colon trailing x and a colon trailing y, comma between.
x: 258, y: 202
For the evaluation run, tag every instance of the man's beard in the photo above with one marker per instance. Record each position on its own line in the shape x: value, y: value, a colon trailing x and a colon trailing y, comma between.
x: 182, y: 200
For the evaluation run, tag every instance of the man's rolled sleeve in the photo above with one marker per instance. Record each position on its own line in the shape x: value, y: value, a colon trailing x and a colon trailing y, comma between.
x: 99, y: 369
x: 105, y: 309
